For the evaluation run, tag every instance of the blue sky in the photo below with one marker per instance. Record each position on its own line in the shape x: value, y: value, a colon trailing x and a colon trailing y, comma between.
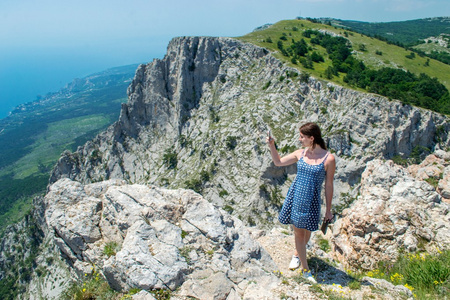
x: 45, y: 44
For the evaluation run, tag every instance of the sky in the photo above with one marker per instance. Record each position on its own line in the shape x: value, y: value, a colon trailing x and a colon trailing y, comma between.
x: 46, y: 44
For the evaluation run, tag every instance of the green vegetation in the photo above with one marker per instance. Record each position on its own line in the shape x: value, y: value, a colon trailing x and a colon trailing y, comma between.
x: 362, y: 70
x: 162, y: 294
x: 223, y: 193
x: 33, y: 137
x: 16, y: 196
x: 410, y: 35
x: 184, y: 252
x: 324, y: 245
x: 417, y: 155
x: 354, y: 285
x: 426, y: 275
x: 94, y: 286
x: 21, y: 262
x: 231, y: 142
x: 170, y: 158
x: 407, y: 33
x: 111, y: 248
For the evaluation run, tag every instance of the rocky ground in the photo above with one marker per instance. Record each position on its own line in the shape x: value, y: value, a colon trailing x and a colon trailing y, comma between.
x: 332, y: 278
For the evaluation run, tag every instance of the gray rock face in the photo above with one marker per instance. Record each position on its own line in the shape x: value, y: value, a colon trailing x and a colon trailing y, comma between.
x: 394, y: 210
x: 197, y: 119
x: 163, y: 239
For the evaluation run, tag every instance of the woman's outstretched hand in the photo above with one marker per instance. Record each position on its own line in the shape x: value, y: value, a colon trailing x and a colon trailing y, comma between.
x: 270, y: 140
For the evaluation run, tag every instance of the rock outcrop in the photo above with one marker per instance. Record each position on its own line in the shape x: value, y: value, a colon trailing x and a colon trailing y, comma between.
x: 160, y: 239
x: 393, y: 211
x: 197, y: 119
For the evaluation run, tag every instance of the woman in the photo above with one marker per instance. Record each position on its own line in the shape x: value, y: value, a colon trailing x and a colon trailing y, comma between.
x: 301, y: 207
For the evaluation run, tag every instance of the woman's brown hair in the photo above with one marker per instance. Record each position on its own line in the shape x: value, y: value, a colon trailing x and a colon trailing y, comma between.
x: 312, y: 129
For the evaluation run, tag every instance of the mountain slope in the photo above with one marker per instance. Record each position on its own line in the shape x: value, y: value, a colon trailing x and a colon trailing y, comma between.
x: 374, y: 53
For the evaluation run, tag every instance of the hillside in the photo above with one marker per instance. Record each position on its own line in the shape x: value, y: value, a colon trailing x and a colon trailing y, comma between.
x: 428, y: 37
x: 408, y: 33
x: 359, y: 62
x: 373, y: 52
x: 33, y: 136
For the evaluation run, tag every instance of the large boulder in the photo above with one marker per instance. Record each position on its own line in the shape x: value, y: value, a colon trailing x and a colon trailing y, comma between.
x: 393, y: 211
x: 156, y: 239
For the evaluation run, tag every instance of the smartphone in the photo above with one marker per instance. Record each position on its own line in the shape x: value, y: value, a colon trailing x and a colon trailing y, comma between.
x: 268, y: 134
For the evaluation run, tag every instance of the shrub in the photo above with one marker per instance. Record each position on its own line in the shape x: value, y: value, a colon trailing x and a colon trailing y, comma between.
x: 223, y: 193
x: 411, y: 55
x: 228, y: 209
x: 250, y: 221
x: 304, y: 77
x: 162, y: 294
x: 184, y: 252
x: 231, y: 142
x: 288, y: 149
x: 354, y: 285
x: 205, y: 175
x: 324, y: 245
x: 111, y: 248
x: 92, y: 287
x: 194, y: 184
x: 397, y: 159
x: 266, y: 85
x: 170, y: 159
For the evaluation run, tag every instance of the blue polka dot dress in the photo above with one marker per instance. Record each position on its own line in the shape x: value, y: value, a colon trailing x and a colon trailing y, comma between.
x: 302, y: 204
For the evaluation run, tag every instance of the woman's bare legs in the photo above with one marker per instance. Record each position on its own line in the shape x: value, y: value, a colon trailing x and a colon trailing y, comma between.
x: 301, y: 239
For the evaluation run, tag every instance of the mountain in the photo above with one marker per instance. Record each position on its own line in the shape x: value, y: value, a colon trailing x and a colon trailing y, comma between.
x: 34, y: 134
x: 330, y: 64
x: 120, y: 209
x: 430, y: 36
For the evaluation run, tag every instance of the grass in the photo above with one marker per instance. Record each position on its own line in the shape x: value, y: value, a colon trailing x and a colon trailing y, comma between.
x: 393, y: 56
x: 324, y: 245
x: 426, y: 275
x: 58, y: 137
x: 111, y: 248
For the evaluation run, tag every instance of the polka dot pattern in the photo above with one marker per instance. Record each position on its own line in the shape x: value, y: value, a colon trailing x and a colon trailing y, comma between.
x: 302, y: 204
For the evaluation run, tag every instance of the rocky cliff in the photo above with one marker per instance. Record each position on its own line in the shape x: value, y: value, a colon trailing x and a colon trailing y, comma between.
x: 197, y: 119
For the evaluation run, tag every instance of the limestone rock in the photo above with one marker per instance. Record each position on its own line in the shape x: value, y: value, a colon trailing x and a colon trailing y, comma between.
x: 435, y: 169
x: 164, y: 239
x: 394, y: 210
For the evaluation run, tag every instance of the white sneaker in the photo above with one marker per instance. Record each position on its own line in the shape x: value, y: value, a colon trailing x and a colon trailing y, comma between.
x: 308, y: 275
x: 295, y: 262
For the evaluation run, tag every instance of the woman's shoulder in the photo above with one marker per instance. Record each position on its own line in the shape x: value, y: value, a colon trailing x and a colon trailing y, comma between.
x: 299, y: 153
x: 330, y: 160
x: 330, y: 156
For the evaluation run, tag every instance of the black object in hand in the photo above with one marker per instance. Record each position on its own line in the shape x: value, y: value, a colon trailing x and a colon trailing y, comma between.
x: 324, y: 226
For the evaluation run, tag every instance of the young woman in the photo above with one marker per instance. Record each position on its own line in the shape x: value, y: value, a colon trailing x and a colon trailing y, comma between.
x: 301, y: 207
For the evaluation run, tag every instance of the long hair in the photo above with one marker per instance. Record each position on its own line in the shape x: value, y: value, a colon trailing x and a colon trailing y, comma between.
x: 312, y: 129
